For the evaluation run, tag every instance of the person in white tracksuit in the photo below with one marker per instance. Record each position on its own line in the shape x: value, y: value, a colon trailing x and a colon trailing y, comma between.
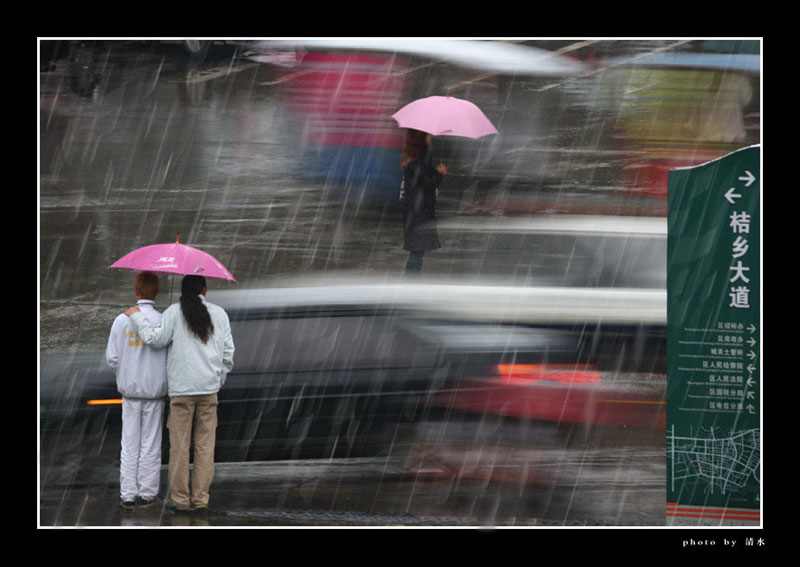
x: 141, y: 373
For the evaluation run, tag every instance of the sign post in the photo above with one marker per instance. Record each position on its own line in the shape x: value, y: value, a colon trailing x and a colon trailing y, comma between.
x: 713, y: 342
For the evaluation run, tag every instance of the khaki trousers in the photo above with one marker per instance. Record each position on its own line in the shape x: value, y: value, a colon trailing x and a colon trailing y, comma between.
x: 187, y: 415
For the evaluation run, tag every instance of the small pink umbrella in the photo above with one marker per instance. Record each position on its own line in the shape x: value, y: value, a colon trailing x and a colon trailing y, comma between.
x: 445, y: 116
x: 174, y: 258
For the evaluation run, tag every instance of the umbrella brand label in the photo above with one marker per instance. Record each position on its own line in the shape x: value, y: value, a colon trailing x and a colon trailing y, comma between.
x: 165, y: 262
x: 713, y: 342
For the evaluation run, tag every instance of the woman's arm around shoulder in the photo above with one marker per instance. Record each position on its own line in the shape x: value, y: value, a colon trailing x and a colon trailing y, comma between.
x: 156, y: 337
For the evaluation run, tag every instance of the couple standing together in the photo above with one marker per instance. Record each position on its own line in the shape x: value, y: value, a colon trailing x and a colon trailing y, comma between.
x: 191, y: 372
x: 200, y: 355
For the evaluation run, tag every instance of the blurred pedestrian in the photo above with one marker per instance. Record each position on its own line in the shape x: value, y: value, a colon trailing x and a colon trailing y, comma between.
x: 200, y: 358
x: 141, y: 374
x: 419, y: 190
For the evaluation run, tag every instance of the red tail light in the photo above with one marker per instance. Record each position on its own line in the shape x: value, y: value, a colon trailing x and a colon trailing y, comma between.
x: 564, y: 373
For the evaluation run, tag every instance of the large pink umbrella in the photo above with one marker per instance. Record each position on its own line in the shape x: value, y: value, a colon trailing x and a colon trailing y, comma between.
x: 445, y: 116
x: 174, y: 258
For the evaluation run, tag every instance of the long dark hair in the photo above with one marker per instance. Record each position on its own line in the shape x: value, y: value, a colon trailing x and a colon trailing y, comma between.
x: 193, y: 308
x: 414, y: 147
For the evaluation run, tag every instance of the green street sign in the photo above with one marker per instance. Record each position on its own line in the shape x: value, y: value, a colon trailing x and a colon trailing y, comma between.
x: 713, y: 342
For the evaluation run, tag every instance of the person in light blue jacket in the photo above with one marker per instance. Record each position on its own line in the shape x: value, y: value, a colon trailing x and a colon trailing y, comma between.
x: 200, y: 357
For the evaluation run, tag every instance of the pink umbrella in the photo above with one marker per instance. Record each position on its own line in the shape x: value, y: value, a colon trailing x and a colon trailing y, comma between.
x: 174, y: 258
x: 445, y: 116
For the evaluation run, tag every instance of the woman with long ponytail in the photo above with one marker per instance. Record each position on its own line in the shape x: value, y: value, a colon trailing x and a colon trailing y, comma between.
x: 200, y: 358
x: 193, y: 308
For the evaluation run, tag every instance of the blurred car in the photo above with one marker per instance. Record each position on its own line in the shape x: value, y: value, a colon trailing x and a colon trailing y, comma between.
x: 569, y: 251
x: 348, y: 370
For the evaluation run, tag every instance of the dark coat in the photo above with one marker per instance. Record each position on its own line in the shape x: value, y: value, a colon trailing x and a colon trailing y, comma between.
x: 420, y: 182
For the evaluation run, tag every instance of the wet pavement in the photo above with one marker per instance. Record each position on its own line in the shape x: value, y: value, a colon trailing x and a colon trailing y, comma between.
x: 148, y: 145
x: 603, y: 483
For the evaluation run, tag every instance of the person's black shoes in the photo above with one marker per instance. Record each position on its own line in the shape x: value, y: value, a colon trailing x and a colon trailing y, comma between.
x: 200, y: 509
x: 138, y: 504
x: 194, y: 509
x: 175, y: 509
x: 141, y: 503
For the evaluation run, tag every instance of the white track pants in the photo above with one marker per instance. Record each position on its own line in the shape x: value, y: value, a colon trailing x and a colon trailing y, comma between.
x: 140, y: 458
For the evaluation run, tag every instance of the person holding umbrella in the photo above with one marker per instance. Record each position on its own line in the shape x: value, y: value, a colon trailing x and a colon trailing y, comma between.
x: 199, y: 359
x: 423, y: 119
x: 420, y: 185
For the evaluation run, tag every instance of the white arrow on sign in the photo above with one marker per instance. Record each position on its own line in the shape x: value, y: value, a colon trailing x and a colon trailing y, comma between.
x: 731, y: 196
x: 748, y: 177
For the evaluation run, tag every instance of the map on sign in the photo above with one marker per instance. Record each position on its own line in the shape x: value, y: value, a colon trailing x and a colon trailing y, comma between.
x: 716, y: 464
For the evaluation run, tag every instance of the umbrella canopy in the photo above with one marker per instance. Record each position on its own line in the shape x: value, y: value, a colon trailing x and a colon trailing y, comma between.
x: 174, y: 258
x: 445, y: 116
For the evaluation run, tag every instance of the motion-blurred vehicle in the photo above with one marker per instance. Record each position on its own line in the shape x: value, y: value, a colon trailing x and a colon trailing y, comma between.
x: 336, y: 371
x: 364, y: 369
